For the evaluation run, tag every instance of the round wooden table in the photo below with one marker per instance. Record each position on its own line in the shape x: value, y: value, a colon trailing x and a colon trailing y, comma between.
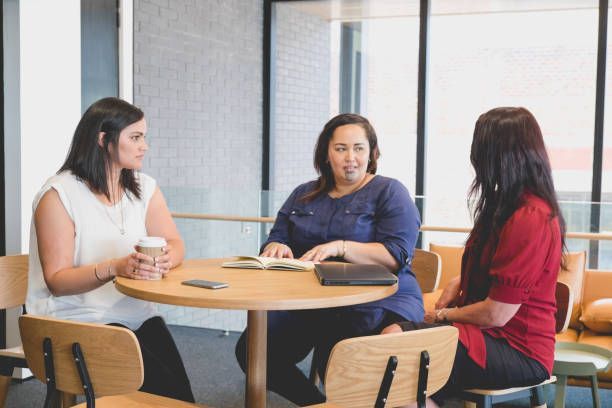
x: 254, y: 290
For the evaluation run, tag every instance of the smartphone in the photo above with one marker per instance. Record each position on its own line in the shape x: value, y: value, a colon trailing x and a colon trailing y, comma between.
x: 205, y: 284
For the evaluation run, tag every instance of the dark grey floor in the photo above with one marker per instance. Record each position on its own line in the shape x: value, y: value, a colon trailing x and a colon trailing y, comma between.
x: 218, y: 381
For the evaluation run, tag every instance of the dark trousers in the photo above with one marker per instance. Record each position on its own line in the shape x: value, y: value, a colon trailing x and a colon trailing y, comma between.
x: 506, y: 367
x: 293, y: 334
x: 164, y: 372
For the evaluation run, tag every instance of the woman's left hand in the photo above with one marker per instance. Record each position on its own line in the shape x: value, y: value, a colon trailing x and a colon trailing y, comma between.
x: 430, y: 316
x: 161, y: 264
x: 323, y: 251
x: 164, y: 262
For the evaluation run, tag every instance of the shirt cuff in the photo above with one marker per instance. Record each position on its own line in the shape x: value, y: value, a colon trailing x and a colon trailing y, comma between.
x: 397, y: 253
x: 509, y: 294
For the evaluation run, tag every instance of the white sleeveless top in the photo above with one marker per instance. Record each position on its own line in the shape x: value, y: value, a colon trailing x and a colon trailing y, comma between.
x: 97, y: 238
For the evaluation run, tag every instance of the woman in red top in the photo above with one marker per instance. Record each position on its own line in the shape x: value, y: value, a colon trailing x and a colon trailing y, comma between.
x: 504, y: 301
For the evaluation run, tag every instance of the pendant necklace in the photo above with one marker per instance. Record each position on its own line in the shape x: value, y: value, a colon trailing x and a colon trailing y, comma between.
x: 120, y: 227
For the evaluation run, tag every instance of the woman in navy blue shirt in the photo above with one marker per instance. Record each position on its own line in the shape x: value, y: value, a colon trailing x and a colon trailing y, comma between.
x: 347, y: 214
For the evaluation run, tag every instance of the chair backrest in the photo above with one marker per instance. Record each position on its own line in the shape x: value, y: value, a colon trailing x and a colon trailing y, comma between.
x: 426, y: 267
x: 451, y: 261
x: 573, y: 276
x: 112, y: 354
x: 565, y: 301
x: 597, y: 284
x: 356, y: 366
x: 13, y: 280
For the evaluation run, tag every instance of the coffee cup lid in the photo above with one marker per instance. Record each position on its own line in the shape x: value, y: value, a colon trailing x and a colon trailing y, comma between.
x: 151, y: 242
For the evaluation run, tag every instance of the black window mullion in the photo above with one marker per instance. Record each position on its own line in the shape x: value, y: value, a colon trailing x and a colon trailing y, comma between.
x: 600, y: 91
x: 2, y: 192
x: 421, y: 108
x: 267, y: 95
x: 2, y: 184
x: 267, y: 134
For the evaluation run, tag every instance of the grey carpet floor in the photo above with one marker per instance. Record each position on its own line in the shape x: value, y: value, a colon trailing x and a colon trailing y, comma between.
x: 217, y: 380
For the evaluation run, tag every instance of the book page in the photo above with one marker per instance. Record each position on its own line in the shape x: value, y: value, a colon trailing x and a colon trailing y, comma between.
x: 263, y: 262
x: 288, y: 263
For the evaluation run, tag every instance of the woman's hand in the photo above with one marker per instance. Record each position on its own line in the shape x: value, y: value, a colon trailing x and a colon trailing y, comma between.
x: 394, y: 328
x: 277, y: 250
x: 430, y: 316
x: 323, y: 251
x: 449, y: 294
x: 143, y: 267
x: 164, y: 261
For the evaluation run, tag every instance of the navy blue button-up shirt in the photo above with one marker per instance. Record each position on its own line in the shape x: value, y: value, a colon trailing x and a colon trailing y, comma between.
x: 381, y: 211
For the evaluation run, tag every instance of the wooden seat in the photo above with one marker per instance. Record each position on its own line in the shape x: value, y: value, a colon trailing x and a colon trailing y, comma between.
x: 137, y: 400
x: 361, y: 371
x: 485, y: 398
x: 103, y: 362
x: 426, y: 266
x: 13, y: 289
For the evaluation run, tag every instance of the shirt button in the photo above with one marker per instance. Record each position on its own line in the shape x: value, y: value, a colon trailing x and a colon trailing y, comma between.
x: 292, y: 212
x: 348, y: 211
x: 310, y: 212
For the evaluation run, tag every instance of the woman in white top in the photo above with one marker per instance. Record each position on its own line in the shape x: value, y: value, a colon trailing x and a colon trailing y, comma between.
x: 87, y: 220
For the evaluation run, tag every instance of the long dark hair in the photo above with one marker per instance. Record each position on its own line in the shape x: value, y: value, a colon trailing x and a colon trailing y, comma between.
x: 89, y: 161
x: 326, y: 182
x: 509, y: 158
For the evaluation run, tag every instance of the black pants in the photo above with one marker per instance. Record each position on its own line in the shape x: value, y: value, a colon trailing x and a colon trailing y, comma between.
x: 506, y: 367
x: 164, y: 372
x: 293, y: 334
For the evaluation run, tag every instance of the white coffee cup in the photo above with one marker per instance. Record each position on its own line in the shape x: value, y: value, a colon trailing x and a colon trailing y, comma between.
x: 153, y: 247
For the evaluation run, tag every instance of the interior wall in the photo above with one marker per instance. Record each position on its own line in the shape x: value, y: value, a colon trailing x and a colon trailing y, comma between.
x: 198, y: 79
x: 302, y: 94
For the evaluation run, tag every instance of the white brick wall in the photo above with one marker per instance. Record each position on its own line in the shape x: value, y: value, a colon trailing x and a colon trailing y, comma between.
x: 198, y: 78
x: 302, y: 93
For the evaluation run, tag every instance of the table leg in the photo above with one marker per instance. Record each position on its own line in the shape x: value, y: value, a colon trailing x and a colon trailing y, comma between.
x: 257, y: 339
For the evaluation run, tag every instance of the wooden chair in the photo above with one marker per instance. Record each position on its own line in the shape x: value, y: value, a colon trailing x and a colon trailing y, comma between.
x: 486, y: 398
x: 394, y: 369
x: 426, y: 266
x: 13, y: 289
x: 450, y: 256
x: 102, y: 362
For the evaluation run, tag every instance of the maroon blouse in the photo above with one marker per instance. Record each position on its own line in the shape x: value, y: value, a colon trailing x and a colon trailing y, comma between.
x: 523, y: 270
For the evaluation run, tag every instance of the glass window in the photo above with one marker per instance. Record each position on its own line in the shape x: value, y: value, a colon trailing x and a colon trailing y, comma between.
x: 605, y: 247
x: 332, y: 59
x: 99, y: 51
x: 484, y: 54
x: 390, y: 92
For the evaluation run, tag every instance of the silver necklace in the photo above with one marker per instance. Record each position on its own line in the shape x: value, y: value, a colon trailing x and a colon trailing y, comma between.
x: 120, y: 227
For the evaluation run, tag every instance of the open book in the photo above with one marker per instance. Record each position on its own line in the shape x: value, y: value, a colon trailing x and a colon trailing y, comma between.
x: 263, y: 262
